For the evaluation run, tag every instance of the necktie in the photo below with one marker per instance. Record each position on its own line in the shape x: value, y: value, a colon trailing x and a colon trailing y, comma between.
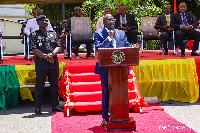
x: 123, y: 21
x: 184, y: 19
x: 167, y: 19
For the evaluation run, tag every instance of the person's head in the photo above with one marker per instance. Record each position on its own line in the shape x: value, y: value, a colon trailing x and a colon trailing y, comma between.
x: 116, y: 9
x: 77, y: 11
x: 54, y: 19
x: 39, y: 12
x: 34, y: 12
x: 107, y: 10
x: 108, y: 19
x: 42, y: 21
x: 182, y: 7
x: 64, y: 23
x: 122, y: 9
x: 167, y: 9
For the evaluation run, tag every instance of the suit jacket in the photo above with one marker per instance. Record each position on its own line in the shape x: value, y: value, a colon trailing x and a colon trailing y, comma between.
x: 161, y: 22
x: 176, y: 20
x: 101, y: 41
x: 130, y: 19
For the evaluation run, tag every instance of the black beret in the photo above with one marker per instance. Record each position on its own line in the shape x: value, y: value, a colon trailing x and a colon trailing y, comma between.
x: 40, y: 17
x: 64, y: 21
x: 54, y: 17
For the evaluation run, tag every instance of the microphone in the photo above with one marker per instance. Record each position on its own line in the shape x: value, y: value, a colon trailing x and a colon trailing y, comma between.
x: 112, y: 27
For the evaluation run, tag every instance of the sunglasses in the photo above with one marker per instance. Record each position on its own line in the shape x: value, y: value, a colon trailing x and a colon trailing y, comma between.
x: 77, y: 10
x: 111, y: 20
x: 42, y: 21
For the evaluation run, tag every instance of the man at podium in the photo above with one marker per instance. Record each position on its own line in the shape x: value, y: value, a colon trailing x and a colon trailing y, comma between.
x: 108, y: 37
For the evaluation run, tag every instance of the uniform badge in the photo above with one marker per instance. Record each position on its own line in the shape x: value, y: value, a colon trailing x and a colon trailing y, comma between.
x: 51, y: 38
x: 39, y: 39
x: 40, y: 44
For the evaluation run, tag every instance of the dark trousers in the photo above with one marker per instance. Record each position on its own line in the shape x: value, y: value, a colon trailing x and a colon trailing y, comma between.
x: 39, y: 87
x: 132, y: 36
x: 182, y: 34
x: 105, y: 91
x: 164, y: 36
x: 76, y: 46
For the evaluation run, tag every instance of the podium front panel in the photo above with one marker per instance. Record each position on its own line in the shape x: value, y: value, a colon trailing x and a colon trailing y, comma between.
x: 123, y: 56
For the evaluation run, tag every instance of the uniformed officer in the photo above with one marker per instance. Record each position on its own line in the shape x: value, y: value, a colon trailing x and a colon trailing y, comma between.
x: 45, y: 45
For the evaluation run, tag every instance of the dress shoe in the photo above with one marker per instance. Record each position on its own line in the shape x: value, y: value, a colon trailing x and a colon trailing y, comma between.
x: 38, y: 111
x: 78, y: 57
x: 183, y: 54
x: 57, y: 108
x: 104, y: 122
x: 90, y: 56
x: 66, y: 57
x: 195, y: 54
x: 165, y: 53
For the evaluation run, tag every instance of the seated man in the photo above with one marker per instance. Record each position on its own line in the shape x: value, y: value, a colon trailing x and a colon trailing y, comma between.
x: 56, y: 26
x: 163, y: 24
x: 78, y: 13
x: 63, y: 37
x: 100, y: 25
x: 184, y: 24
x: 126, y: 22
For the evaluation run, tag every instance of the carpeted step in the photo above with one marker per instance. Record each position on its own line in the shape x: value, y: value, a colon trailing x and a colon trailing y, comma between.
x: 82, y: 69
x: 85, y: 77
x: 87, y: 96
x: 86, y: 86
x: 89, y: 106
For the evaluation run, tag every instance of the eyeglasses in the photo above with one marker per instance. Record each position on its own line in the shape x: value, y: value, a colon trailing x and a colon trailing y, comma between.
x: 77, y: 10
x: 42, y: 21
x: 111, y: 20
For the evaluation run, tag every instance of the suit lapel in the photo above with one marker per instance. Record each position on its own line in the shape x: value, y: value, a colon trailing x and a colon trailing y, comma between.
x: 118, y: 18
x: 104, y: 33
x: 164, y: 19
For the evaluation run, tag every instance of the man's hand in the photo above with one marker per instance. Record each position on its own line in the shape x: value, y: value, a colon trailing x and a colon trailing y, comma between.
x: 121, y: 28
x: 44, y: 56
x: 49, y: 56
x: 112, y: 33
x: 166, y: 26
x: 186, y: 27
x: 127, y: 28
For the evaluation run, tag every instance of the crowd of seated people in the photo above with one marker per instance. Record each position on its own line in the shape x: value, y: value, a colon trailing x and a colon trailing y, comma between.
x: 183, y: 23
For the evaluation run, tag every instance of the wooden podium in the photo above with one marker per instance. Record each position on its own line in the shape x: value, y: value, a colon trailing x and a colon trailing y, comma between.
x: 117, y: 60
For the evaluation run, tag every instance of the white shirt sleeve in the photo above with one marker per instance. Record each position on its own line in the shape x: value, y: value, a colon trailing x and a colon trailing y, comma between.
x: 27, y: 29
x: 49, y: 27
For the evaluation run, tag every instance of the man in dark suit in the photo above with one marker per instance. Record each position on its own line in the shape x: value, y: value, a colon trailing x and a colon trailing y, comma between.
x: 163, y: 23
x: 107, y: 38
x: 184, y: 24
x: 126, y: 22
x: 78, y: 13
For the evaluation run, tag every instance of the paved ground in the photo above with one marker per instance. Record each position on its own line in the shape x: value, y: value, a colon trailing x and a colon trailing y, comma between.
x: 21, y: 119
x: 187, y: 113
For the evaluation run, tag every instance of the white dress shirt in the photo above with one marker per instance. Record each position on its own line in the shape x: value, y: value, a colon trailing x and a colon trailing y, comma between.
x: 32, y: 26
x: 121, y: 19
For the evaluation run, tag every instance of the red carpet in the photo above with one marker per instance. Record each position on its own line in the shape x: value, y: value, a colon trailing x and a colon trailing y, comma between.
x: 152, y: 120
